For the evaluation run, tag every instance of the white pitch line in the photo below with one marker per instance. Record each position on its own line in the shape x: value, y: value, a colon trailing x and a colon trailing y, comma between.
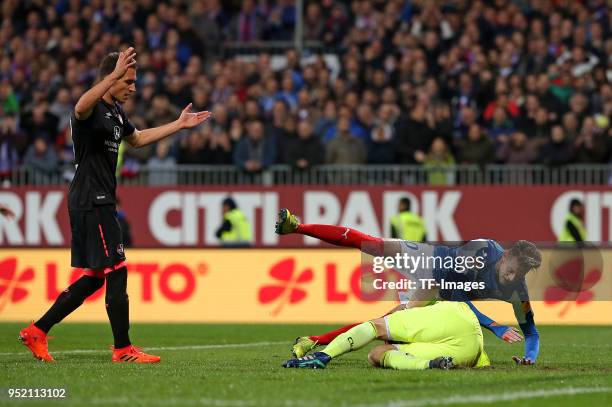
x: 492, y: 398
x: 204, y: 401
x: 162, y: 348
x: 476, y: 398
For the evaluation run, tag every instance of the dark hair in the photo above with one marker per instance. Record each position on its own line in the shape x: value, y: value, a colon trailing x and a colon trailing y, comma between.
x: 527, y: 254
x: 230, y: 203
x: 406, y: 202
x: 108, y: 64
x: 574, y: 202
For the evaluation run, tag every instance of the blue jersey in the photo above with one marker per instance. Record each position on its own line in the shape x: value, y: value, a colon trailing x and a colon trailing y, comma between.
x: 490, y: 253
x: 515, y: 293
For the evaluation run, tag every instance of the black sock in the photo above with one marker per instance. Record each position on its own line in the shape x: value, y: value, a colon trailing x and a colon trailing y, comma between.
x: 118, y: 306
x: 69, y: 300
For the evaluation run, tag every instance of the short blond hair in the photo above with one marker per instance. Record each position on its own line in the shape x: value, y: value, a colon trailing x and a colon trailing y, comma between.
x: 527, y: 255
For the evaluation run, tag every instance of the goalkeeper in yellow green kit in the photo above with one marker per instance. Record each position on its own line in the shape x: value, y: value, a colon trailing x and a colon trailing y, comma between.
x: 439, y: 336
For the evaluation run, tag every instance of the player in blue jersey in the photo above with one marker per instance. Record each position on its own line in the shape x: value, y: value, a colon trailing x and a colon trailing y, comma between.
x: 500, y: 274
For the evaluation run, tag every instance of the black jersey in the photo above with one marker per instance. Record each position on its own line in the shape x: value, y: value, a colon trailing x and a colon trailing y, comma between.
x: 96, y: 143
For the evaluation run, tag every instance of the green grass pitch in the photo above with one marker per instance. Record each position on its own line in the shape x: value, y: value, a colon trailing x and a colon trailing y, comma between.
x: 239, y: 365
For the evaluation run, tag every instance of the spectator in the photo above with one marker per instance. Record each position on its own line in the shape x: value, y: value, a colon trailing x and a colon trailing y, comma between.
x: 517, y: 150
x: 62, y: 108
x: 327, y: 121
x: 345, y: 148
x: 335, y: 25
x: 9, y: 157
x: 255, y: 152
x: 286, y: 136
x: 541, y: 130
x: 280, y: 21
x: 9, y: 104
x: 162, y: 166
x: 502, y: 101
x: 41, y: 160
x: 40, y: 123
x: 208, y: 19
x: 306, y: 150
x: 500, y: 126
x: 590, y: 146
x: 477, y: 148
x: 191, y: 150
x: 438, y: 162
x: 558, y: 150
x: 313, y: 22
x: 248, y: 25
x: 217, y: 147
x: 381, y: 149
x: 413, y: 136
x: 364, y: 122
x: 570, y: 125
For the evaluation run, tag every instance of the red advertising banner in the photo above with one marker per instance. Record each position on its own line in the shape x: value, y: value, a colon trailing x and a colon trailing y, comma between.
x: 189, y: 216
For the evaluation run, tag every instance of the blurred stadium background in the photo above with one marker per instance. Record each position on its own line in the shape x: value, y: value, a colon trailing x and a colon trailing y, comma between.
x: 491, y: 116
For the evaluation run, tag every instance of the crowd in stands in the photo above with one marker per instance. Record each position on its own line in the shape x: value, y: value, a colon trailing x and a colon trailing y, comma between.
x: 434, y: 83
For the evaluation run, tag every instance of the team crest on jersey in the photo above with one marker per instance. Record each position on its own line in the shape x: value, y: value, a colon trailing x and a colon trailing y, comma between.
x: 117, y: 131
x: 120, y: 248
x: 108, y: 115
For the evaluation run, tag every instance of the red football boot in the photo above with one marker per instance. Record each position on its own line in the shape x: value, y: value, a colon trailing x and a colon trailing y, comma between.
x: 133, y: 353
x: 36, y: 340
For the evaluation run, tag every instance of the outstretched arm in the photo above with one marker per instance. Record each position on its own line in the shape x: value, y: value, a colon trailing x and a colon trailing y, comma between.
x: 141, y: 138
x: 507, y: 333
x: 524, y: 315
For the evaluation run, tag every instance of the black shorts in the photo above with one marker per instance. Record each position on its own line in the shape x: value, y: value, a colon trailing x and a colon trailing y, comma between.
x: 97, y: 241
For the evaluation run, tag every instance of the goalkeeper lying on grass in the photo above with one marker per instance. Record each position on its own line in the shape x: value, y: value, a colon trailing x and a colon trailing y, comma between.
x: 440, y: 336
x: 502, y: 274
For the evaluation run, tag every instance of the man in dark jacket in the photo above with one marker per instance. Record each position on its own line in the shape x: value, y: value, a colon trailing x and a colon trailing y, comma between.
x: 413, y: 136
x: 255, y: 152
x: 477, y: 149
x: 558, y: 150
x: 305, y: 151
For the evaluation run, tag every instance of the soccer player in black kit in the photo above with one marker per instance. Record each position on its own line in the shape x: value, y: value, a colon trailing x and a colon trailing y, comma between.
x: 98, y: 126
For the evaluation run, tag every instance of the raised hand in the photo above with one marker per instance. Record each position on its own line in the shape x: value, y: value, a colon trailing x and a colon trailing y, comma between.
x: 188, y: 120
x: 127, y: 59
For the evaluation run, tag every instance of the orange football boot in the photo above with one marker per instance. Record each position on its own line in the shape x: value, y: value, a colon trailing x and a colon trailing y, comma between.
x: 133, y: 353
x: 36, y: 340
